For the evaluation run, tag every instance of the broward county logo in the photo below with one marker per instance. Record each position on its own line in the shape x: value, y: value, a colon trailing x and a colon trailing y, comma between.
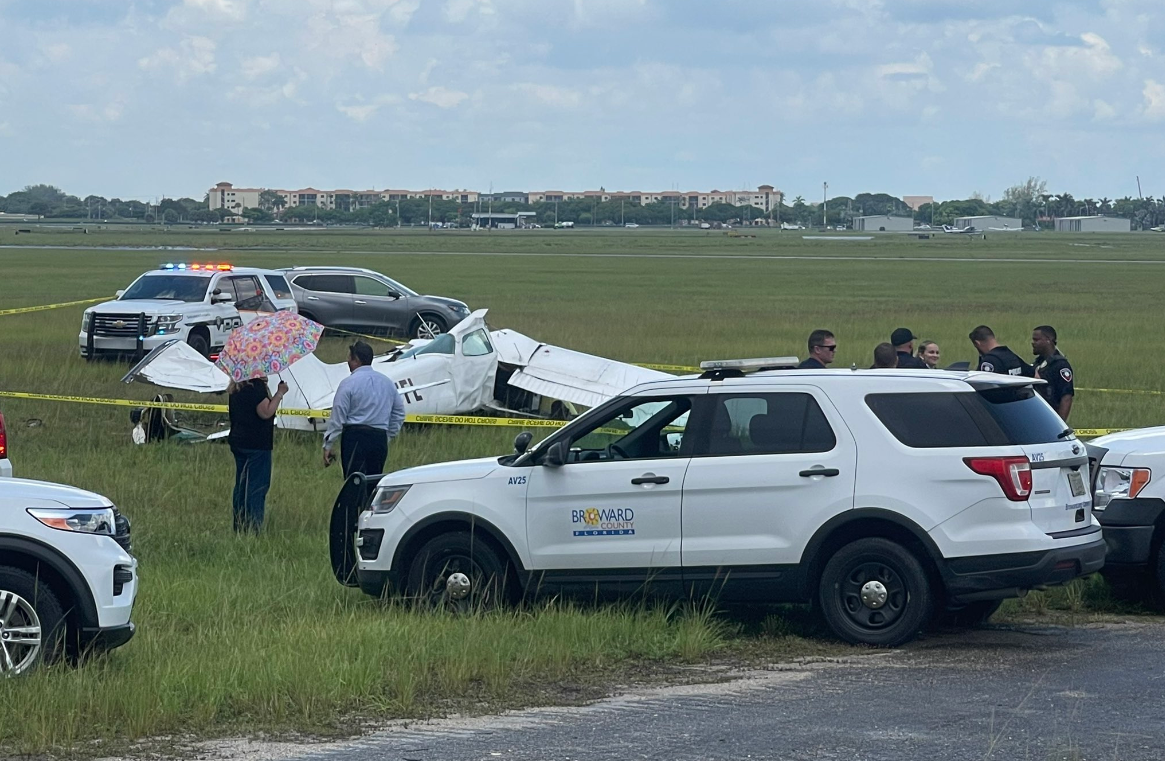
x: 593, y: 521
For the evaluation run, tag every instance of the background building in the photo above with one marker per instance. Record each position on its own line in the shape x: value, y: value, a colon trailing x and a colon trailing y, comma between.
x: 883, y: 223
x: 987, y: 222
x: 1094, y: 224
x: 226, y: 196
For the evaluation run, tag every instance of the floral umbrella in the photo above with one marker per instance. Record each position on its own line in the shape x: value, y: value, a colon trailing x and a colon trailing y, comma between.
x: 267, y: 345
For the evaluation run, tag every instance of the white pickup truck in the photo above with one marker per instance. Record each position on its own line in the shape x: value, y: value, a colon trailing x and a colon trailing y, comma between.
x: 197, y: 303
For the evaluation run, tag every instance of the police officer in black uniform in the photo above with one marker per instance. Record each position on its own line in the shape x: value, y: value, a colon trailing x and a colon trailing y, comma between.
x: 822, y: 348
x: 994, y: 357
x: 1053, y: 367
x: 902, y: 340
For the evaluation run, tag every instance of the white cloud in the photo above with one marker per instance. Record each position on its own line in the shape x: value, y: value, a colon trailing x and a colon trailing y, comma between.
x: 193, y: 57
x: 425, y: 72
x: 221, y: 10
x: 441, y: 97
x: 361, y: 111
x: 258, y: 66
x: 110, y: 112
x: 269, y: 95
x: 1154, y: 95
x: 559, y: 97
x: 457, y: 11
x: 350, y: 35
x: 1102, y: 111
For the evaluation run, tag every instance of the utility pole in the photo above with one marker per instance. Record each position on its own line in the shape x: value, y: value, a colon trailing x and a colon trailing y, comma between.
x: 430, y: 210
x: 824, y: 204
x: 621, y: 217
x: 398, y: 213
x: 556, y: 213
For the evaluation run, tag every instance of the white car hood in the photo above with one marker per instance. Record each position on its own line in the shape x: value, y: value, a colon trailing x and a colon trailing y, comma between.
x: 21, y: 492
x: 149, y: 306
x: 1142, y: 442
x: 460, y: 470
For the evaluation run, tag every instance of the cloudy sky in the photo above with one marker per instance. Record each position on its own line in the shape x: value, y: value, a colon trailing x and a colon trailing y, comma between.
x: 139, y: 98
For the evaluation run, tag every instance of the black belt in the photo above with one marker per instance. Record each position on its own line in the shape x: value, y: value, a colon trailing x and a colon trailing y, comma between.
x: 367, y: 428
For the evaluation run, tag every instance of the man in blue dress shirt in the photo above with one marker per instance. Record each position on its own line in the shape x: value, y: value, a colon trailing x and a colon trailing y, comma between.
x: 367, y: 413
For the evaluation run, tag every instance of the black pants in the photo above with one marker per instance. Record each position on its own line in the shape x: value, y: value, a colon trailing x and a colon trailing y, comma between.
x: 363, y: 449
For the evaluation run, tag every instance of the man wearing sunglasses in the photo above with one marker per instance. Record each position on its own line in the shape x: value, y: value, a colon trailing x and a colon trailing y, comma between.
x: 822, y: 348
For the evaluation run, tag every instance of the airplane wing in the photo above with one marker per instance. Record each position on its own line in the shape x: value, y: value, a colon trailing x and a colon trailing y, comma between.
x: 571, y: 376
x: 176, y: 364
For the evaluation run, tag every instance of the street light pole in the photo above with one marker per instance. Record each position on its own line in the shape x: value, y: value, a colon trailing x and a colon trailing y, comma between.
x: 824, y: 204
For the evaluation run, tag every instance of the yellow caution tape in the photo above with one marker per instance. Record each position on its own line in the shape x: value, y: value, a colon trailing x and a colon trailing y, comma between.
x: 365, y: 335
x: 1088, y: 433
x: 1143, y: 391
x: 222, y: 408
x: 45, y: 307
x: 668, y: 368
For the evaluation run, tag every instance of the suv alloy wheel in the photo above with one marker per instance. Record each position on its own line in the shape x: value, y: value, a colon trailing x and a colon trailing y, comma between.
x: 458, y: 572
x: 31, y: 623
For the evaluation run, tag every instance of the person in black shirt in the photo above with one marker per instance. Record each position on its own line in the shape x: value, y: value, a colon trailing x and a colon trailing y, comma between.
x: 822, y: 348
x: 252, y: 412
x: 903, y: 341
x: 994, y: 357
x: 885, y: 357
x: 1053, y: 367
x: 929, y: 353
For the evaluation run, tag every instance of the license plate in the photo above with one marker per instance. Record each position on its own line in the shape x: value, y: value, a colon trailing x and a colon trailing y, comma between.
x: 1076, y: 481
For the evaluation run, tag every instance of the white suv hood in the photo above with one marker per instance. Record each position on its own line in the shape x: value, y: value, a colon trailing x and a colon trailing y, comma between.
x: 461, y: 470
x: 149, y: 306
x: 1140, y: 441
x: 22, y: 492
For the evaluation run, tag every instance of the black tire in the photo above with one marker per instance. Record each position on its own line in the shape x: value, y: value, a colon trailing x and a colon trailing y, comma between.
x: 490, y: 575
x: 969, y: 616
x: 19, y: 591
x: 893, y: 579
x: 199, y: 343
x: 416, y: 329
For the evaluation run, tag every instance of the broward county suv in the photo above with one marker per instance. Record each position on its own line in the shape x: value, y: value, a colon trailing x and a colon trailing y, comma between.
x: 884, y: 496
x: 351, y: 298
x: 67, y: 578
x: 197, y: 303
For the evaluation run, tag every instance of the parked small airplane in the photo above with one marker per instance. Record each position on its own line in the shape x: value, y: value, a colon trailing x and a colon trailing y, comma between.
x: 959, y: 230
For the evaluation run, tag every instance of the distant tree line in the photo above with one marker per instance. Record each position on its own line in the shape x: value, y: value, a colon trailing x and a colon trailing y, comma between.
x: 1028, y: 201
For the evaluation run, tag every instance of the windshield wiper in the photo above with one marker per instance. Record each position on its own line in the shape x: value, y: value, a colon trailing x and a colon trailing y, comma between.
x: 1065, y: 433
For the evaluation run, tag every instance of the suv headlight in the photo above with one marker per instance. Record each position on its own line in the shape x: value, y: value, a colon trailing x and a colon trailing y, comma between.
x: 81, y: 520
x: 86, y: 322
x: 387, y: 497
x: 167, y: 323
x: 1118, y: 483
x: 459, y: 308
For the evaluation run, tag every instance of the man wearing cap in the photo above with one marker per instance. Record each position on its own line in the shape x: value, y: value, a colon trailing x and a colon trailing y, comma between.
x: 366, y: 414
x: 903, y: 341
x: 994, y: 357
x: 1053, y: 367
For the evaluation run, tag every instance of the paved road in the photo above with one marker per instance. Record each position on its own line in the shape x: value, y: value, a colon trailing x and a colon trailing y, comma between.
x: 1037, y: 693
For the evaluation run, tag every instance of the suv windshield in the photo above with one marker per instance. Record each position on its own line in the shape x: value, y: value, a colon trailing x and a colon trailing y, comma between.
x: 989, y: 418
x: 177, y: 287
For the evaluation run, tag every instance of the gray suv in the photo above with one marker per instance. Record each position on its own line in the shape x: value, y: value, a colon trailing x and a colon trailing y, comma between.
x: 358, y: 299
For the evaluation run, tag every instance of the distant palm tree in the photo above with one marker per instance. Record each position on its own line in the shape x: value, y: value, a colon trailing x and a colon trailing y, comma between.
x: 1104, y: 204
x: 1089, y: 204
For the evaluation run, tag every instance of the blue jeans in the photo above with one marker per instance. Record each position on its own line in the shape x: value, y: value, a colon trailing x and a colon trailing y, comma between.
x: 252, y: 480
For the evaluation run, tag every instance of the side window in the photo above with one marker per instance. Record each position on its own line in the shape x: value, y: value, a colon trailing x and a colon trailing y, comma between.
x: 366, y: 286
x: 640, y: 429
x: 248, y: 294
x: 326, y: 283
x: 279, y: 286
x: 476, y: 344
x: 442, y: 344
x: 929, y: 421
x: 776, y: 423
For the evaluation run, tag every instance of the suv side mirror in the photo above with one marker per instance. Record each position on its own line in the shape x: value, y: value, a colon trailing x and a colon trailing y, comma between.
x: 119, y: 294
x: 522, y: 442
x: 218, y: 297
x: 393, y: 294
x: 557, y: 453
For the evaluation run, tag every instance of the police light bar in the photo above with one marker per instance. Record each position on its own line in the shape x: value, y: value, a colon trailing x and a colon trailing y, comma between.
x: 749, y: 365
x: 198, y: 267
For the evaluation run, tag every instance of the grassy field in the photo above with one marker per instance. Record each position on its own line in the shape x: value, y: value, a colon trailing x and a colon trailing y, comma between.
x: 248, y: 635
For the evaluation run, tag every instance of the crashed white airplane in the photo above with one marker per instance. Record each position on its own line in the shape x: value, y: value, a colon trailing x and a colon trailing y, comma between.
x: 466, y: 370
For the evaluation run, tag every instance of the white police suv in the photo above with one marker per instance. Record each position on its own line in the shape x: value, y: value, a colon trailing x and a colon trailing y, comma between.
x: 67, y: 578
x: 882, y: 496
x: 197, y: 303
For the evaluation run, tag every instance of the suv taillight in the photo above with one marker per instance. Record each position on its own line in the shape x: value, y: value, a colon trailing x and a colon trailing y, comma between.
x: 3, y: 439
x: 1014, y: 474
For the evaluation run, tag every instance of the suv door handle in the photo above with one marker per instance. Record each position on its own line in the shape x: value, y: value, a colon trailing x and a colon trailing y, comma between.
x: 649, y: 480
x: 358, y: 301
x: 827, y: 472
x: 313, y: 298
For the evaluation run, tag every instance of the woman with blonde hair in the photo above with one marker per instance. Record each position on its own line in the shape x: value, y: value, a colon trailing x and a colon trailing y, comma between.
x: 928, y: 352
x: 252, y: 411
